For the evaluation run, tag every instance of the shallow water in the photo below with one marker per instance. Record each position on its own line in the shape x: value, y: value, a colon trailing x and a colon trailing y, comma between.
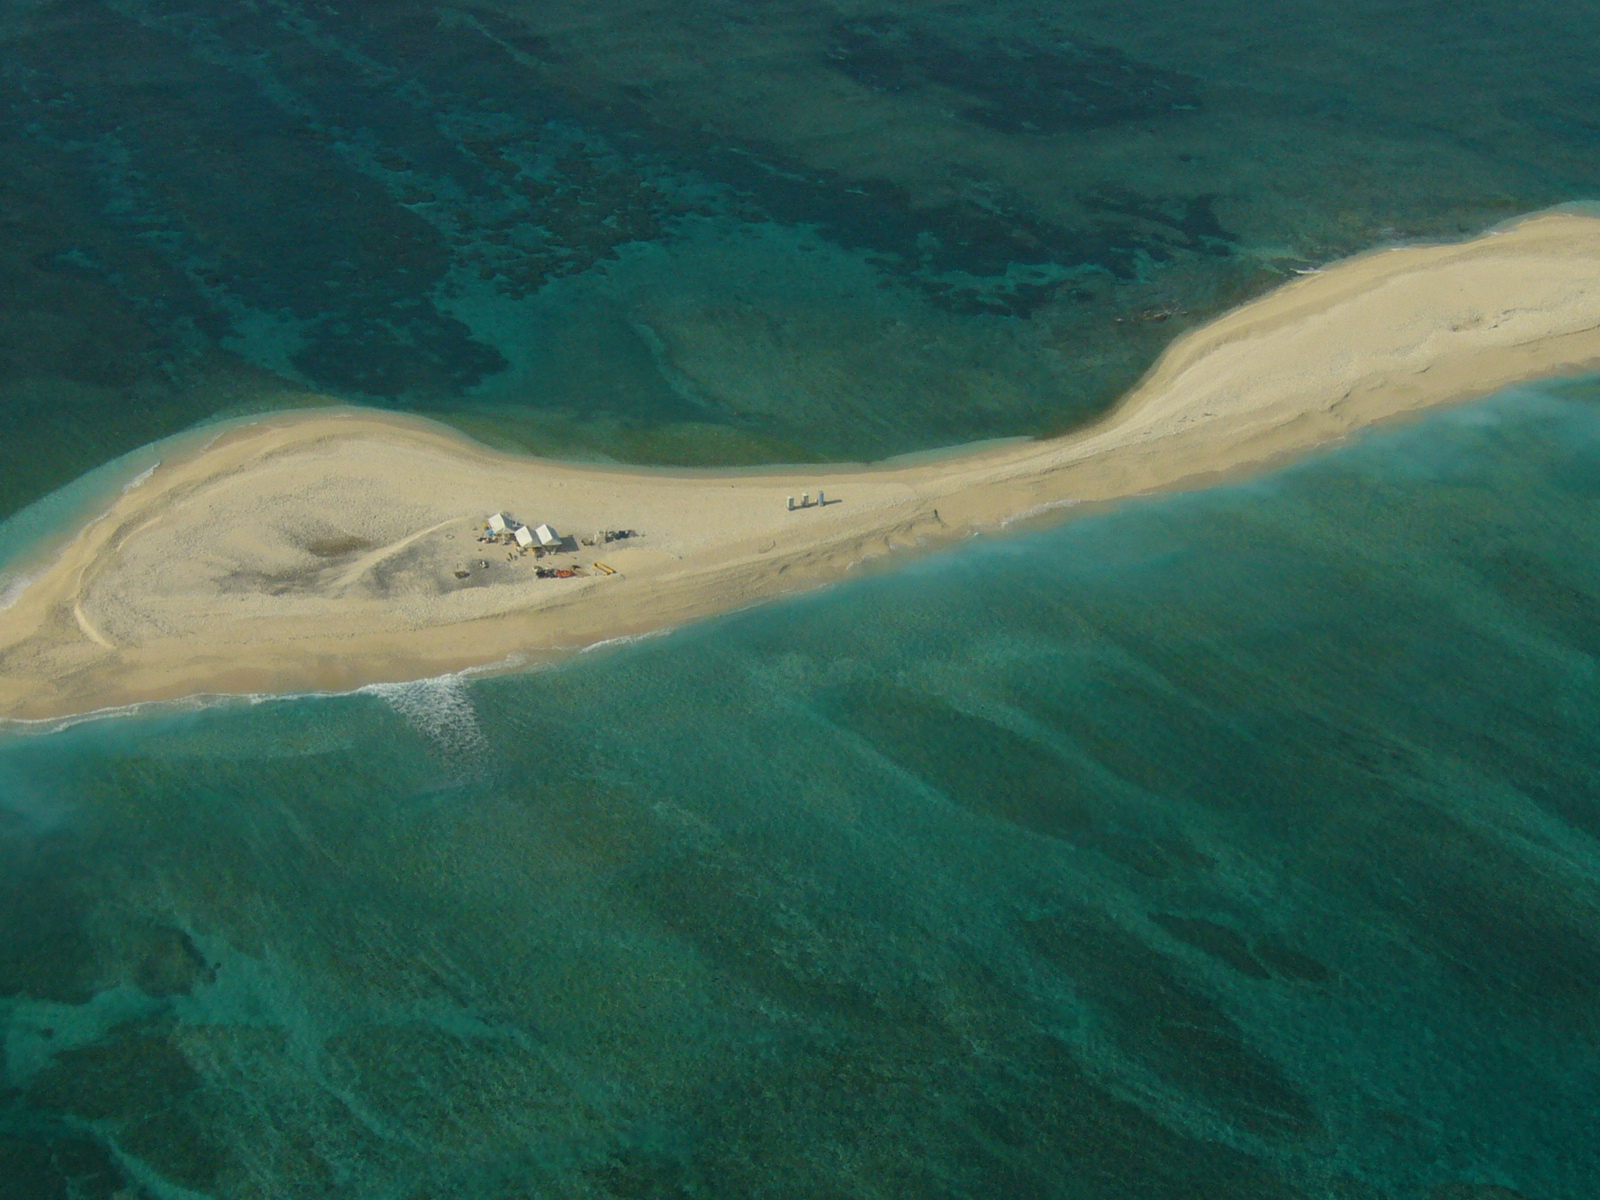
x: 716, y: 232
x: 1233, y: 845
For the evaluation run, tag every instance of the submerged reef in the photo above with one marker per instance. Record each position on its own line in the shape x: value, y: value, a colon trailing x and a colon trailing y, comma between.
x: 1237, y: 846
x: 706, y: 233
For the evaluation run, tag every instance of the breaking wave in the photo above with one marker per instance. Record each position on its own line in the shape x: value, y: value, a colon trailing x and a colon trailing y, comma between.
x: 11, y: 589
x: 140, y: 477
x: 440, y: 709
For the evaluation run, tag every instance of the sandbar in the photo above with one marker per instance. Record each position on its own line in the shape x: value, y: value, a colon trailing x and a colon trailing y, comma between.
x: 325, y: 549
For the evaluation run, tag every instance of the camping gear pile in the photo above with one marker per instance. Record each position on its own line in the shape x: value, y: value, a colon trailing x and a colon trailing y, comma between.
x: 519, y: 539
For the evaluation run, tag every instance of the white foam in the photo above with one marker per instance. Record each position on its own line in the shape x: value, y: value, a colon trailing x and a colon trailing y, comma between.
x: 625, y: 640
x: 11, y: 589
x: 413, y: 703
x: 440, y: 709
x: 1037, y: 509
x: 49, y: 725
x: 140, y: 477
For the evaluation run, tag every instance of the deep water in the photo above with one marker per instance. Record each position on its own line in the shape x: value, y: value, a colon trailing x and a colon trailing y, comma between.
x: 1228, y: 846
x: 716, y: 231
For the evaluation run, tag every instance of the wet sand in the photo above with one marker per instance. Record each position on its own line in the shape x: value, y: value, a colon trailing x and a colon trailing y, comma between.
x: 336, y: 547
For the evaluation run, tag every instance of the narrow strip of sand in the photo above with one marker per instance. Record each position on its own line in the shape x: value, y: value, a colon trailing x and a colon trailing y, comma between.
x: 327, y: 549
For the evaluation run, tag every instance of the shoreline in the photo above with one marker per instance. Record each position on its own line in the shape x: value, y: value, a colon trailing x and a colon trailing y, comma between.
x: 322, y: 550
x: 202, y: 701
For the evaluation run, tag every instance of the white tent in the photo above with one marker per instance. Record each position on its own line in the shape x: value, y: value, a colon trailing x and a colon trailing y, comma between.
x: 497, y: 523
x: 524, y: 537
x: 547, y: 536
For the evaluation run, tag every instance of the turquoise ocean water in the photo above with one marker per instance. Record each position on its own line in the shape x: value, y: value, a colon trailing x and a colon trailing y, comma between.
x: 717, y: 231
x: 1234, y: 845
x: 1222, y: 847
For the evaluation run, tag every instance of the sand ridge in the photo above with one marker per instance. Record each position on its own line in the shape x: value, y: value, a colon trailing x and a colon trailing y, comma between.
x: 324, y: 549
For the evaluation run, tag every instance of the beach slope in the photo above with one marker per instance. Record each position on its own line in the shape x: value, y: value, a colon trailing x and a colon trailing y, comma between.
x: 326, y: 549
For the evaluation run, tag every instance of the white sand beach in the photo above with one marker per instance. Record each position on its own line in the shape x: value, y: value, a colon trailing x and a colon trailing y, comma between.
x: 330, y: 548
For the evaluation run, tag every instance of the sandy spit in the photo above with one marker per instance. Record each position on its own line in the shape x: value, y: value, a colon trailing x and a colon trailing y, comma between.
x: 320, y: 550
